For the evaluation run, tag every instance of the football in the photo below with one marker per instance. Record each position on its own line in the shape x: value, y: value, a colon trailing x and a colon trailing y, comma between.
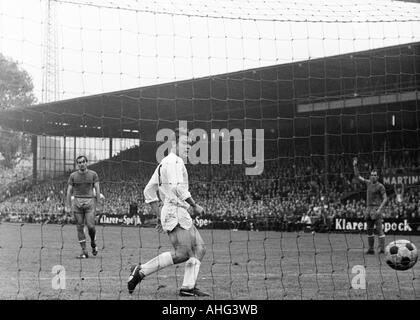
x: 401, y: 254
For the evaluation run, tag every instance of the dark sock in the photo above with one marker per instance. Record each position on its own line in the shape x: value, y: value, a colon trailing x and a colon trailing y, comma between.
x: 382, y: 243
x: 92, y: 234
x: 83, y: 245
x: 371, y: 242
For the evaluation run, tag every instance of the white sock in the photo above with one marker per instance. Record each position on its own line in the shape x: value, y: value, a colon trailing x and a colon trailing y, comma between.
x: 161, y: 261
x: 192, y: 267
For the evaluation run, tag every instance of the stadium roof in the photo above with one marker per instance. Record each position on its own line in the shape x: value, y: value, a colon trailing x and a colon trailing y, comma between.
x: 251, y: 98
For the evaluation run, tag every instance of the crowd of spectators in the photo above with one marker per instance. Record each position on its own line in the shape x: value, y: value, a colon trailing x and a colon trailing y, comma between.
x: 15, y: 180
x: 291, y: 191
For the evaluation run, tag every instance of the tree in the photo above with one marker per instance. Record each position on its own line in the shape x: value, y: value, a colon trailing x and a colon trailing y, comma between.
x: 9, y: 146
x: 16, y: 87
x: 16, y: 90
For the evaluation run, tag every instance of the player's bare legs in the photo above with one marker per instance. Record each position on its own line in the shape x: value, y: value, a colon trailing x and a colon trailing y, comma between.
x: 90, y: 223
x: 181, y: 242
x: 381, y: 235
x: 192, y: 266
x: 188, y: 247
x: 80, y: 219
x: 198, y: 244
x: 370, y: 235
x: 374, y: 220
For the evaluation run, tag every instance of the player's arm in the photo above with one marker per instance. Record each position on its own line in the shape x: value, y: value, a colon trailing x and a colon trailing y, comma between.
x: 151, y: 197
x: 151, y: 189
x: 96, y: 187
x: 98, y: 192
x: 175, y: 175
x: 356, y: 172
x: 68, y: 197
x: 155, y: 208
x: 384, y: 198
x: 197, y: 209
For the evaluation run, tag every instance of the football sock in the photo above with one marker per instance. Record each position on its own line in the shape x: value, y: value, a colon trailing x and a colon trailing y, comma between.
x: 92, y: 234
x: 161, y: 261
x: 192, y: 267
x: 371, y: 241
x: 81, y: 233
x: 83, y: 245
x: 382, y: 242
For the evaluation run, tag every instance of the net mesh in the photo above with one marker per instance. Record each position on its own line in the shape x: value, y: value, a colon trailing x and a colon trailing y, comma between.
x: 326, y: 82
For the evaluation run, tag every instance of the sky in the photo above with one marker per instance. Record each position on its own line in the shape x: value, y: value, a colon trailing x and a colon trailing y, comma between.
x: 105, y: 46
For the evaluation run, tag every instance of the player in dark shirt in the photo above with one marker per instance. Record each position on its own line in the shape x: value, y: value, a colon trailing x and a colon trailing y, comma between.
x: 80, y: 185
x: 375, y: 201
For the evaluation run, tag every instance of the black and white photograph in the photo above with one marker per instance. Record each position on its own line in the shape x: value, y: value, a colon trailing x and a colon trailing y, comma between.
x: 209, y: 155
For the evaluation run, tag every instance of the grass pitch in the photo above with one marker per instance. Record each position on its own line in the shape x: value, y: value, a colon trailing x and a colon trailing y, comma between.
x: 246, y: 265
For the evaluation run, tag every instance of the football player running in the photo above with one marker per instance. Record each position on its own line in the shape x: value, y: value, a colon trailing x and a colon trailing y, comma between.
x: 170, y: 179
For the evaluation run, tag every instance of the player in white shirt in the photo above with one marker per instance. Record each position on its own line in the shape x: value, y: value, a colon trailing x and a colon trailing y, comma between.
x: 170, y: 179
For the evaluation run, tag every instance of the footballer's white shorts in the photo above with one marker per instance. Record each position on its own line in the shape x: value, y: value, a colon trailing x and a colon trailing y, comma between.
x: 172, y: 215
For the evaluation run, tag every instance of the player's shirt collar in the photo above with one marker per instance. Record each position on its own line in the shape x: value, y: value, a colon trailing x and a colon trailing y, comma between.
x: 174, y: 155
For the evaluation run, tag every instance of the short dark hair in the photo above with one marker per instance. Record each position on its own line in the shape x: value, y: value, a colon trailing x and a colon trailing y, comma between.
x: 83, y: 156
x: 178, y: 132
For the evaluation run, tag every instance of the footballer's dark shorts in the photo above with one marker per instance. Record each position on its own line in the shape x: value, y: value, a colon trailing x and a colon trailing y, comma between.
x: 85, y: 206
x: 373, y: 218
x: 371, y: 213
